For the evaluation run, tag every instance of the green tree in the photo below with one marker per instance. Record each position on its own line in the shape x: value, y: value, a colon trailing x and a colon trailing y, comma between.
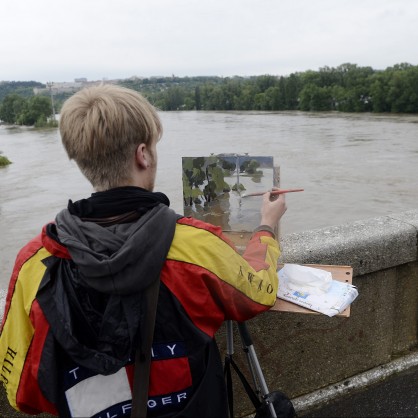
x: 12, y: 107
x: 245, y: 101
x: 271, y: 98
x: 279, y: 95
x: 261, y: 102
x: 231, y: 91
x: 310, y: 78
x: 378, y: 93
x: 403, y: 94
x: 174, y: 98
x: 263, y: 82
x: 292, y: 89
x: 315, y: 98
x: 197, y: 98
x: 328, y: 77
x: 38, y: 111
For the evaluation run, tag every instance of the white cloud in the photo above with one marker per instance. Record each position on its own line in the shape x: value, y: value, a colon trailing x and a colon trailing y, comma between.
x: 49, y: 40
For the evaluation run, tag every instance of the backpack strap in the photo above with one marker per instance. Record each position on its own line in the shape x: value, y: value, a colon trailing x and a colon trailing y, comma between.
x: 143, y: 355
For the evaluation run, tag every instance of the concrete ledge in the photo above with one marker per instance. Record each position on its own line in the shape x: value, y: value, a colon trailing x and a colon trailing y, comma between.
x: 367, y: 246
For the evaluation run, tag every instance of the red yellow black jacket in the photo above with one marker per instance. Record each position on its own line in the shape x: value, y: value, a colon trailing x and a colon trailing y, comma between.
x: 46, y: 337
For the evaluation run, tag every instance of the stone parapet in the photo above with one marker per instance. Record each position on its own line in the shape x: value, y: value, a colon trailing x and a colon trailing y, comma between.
x: 367, y: 246
x: 302, y: 353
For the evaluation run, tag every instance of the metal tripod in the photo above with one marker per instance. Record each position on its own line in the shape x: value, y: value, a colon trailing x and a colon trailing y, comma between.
x: 254, y: 366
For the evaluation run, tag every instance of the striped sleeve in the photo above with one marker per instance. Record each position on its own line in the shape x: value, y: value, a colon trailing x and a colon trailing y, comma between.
x: 17, y: 334
x: 213, y: 282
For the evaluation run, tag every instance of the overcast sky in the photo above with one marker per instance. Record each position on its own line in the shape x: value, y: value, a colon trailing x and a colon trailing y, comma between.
x: 53, y: 40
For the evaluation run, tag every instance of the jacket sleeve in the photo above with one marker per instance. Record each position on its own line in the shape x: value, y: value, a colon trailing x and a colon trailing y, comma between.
x: 213, y: 281
x: 21, y: 334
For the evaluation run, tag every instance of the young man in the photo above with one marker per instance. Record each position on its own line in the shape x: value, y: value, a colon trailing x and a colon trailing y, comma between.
x: 75, y: 310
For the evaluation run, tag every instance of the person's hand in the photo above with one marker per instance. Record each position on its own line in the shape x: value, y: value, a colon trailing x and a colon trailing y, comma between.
x: 272, y: 209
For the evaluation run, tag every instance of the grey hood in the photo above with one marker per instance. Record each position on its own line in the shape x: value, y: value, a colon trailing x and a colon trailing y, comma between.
x: 120, y: 259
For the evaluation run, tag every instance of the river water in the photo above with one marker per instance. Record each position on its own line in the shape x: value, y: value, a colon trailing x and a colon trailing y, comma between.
x: 352, y: 167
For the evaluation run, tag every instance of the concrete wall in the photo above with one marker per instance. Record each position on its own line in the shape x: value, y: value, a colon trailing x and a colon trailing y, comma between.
x: 300, y: 353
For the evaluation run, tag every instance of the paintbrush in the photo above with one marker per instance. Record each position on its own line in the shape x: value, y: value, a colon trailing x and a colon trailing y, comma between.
x: 273, y: 192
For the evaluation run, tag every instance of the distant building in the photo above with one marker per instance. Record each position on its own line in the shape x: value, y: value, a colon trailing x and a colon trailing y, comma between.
x: 80, y: 80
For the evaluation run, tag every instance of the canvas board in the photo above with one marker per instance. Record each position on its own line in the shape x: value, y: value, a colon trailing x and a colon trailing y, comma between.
x: 213, y: 189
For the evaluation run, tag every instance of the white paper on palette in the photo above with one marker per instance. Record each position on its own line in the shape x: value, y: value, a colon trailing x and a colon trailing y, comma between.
x: 315, y: 289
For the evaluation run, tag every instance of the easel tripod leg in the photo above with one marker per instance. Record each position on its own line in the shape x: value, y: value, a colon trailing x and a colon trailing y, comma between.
x: 254, y: 364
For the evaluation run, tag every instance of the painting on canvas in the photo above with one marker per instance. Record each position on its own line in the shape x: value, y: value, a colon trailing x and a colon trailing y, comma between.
x: 214, y: 189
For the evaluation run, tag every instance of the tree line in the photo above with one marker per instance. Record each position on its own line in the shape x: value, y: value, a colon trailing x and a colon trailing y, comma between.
x: 346, y: 88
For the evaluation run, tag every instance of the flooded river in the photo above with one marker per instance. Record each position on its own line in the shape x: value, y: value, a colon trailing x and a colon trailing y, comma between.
x: 352, y: 167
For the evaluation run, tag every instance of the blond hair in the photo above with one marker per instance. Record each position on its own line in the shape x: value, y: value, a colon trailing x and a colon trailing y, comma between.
x: 101, y: 128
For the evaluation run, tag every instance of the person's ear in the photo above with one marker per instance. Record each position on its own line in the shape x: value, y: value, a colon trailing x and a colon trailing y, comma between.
x: 141, y: 156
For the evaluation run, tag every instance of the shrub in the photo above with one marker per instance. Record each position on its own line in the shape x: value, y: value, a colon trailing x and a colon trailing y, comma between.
x: 4, y: 161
